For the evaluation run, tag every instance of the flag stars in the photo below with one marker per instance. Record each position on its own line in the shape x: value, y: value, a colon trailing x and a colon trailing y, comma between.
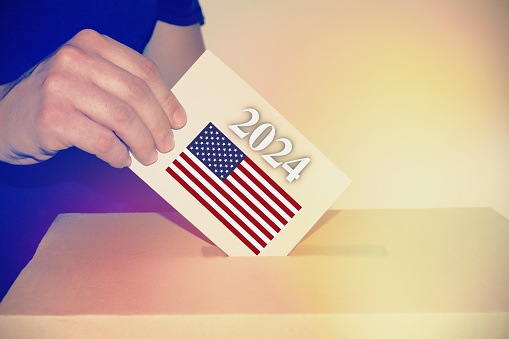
x: 216, y: 151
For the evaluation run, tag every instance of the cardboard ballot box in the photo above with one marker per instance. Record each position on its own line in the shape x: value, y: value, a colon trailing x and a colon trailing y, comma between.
x: 424, y: 273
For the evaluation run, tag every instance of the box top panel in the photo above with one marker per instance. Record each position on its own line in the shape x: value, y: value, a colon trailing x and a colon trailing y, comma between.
x: 362, y: 261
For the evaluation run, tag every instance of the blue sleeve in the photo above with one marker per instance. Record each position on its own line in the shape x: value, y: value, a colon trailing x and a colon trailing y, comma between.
x: 180, y: 12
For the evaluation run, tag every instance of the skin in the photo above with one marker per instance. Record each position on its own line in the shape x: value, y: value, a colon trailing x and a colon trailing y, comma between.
x: 174, y: 49
x: 100, y: 96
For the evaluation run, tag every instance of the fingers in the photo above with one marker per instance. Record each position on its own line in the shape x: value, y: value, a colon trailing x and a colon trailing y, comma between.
x: 147, y: 70
x: 127, y: 96
x: 102, y: 142
x: 93, y: 138
x: 139, y: 66
x: 116, y: 115
x: 128, y: 106
x: 101, y: 96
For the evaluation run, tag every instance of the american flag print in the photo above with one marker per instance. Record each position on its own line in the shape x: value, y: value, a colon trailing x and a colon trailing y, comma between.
x: 233, y: 188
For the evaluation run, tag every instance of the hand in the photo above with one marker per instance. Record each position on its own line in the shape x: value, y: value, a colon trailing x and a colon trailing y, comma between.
x: 93, y: 93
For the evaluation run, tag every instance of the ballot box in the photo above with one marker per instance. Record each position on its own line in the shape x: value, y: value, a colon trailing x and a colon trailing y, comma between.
x: 410, y: 273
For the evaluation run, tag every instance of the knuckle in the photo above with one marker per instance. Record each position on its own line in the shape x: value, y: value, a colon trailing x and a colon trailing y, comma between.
x: 149, y: 70
x: 67, y: 55
x: 104, y: 142
x: 138, y: 91
x: 88, y: 36
x: 122, y: 114
x: 53, y: 83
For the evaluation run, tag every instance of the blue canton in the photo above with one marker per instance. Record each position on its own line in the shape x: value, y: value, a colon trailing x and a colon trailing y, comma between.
x: 216, y: 151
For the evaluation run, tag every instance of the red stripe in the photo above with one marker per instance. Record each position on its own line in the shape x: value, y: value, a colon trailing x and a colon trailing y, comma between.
x: 213, y: 211
x: 218, y: 201
x: 253, y: 206
x: 231, y: 199
x: 265, y: 190
x: 257, y: 197
x: 273, y: 184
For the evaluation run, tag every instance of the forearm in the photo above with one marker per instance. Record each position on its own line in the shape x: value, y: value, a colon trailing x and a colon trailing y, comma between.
x: 174, y: 49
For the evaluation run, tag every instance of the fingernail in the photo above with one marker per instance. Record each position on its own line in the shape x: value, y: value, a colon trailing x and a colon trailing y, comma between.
x: 153, y: 157
x: 179, y: 118
x: 169, y: 142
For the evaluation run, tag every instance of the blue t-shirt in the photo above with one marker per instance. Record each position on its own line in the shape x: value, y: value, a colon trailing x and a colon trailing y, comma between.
x: 72, y: 181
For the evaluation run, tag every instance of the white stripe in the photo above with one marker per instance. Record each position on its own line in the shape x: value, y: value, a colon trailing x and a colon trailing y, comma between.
x: 213, y: 204
x: 261, y: 193
x: 271, y: 188
x: 214, y: 191
x: 234, y: 195
x: 250, y: 197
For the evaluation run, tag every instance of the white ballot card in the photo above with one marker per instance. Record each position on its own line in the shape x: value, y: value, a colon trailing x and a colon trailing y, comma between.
x: 240, y: 172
